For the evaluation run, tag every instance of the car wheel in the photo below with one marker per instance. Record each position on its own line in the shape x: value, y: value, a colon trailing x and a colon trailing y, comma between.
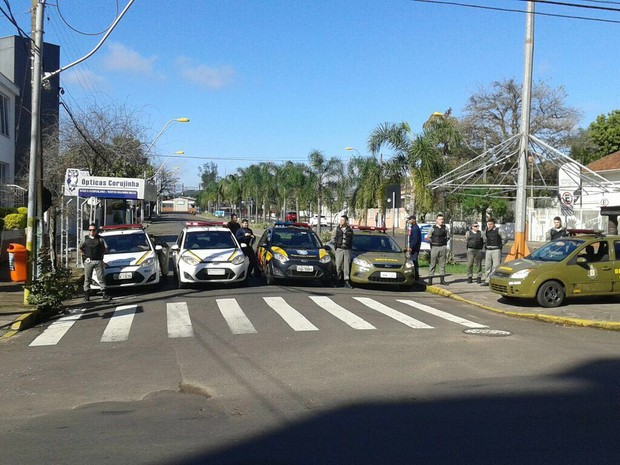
x: 550, y: 294
x: 269, y: 280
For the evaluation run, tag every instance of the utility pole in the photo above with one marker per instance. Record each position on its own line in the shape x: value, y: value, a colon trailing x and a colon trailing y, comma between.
x: 519, y: 248
x: 36, y: 48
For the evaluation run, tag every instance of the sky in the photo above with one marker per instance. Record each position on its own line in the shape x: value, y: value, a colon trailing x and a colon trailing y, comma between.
x: 273, y: 80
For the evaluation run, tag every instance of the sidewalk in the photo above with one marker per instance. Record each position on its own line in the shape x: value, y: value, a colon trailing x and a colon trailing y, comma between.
x: 14, y: 315
x: 594, y: 312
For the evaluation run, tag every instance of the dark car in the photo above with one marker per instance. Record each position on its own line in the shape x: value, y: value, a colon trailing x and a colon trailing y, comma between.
x: 293, y: 251
x: 291, y: 216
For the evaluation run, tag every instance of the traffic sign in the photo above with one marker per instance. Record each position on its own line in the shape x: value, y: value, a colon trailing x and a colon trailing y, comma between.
x: 567, y: 198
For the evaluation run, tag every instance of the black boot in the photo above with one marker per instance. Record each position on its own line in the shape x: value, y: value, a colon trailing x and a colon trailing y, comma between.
x: 430, y: 280
x: 442, y: 281
x: 469, y: 280
x: 86, y: 296
x: 478, y: 279
x: 105, y: 297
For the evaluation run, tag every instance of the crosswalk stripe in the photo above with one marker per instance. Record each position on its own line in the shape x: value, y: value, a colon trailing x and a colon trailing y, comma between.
x: 294, y: 319
x: 442, y: 314
x: 119, y: 325
x: 341, y: 313
x: 179, y: 323
x: 398, y: 316
x: 234, y: 316
x: 54, y: 332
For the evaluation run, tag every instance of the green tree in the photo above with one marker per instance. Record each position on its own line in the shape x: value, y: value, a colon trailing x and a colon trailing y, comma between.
x: 605, y: 132
x: 322, y: 170
x: 480, y: 201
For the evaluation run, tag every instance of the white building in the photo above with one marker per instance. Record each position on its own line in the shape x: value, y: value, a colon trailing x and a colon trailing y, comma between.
x: 8, y: 93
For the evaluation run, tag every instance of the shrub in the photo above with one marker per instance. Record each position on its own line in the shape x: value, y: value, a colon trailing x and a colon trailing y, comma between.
x: 52, y: 286
x: 22, y: 210
x: 7, y: 211
x: 15, y: 221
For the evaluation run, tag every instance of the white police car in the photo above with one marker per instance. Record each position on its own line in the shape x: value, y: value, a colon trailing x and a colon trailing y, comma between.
x: 133, y: 258
x: 208, y: 253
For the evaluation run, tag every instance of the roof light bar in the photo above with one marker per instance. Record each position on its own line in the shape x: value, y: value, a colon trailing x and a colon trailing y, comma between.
x: 123, y: 226
x: 205, y: 223
x: 368, y: 228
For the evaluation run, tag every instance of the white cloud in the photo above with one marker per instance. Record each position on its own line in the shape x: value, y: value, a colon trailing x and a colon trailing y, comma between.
x: 122, y: 58
x: 205, y: 76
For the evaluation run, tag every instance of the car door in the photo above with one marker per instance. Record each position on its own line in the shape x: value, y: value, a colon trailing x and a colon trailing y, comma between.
x: 262, y: 247
x: 597, y: 276
x: 616, y: 266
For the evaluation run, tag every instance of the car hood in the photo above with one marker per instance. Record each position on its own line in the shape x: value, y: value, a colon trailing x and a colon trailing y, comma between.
x: 300, y: 254
x: 127, y: 259
x: 381, y: 258
x: 520, y: 264
x: 215, y: 255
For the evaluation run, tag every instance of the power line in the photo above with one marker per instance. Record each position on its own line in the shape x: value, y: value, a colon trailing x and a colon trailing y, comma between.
x: 513, y: 10
x: 574, y: 5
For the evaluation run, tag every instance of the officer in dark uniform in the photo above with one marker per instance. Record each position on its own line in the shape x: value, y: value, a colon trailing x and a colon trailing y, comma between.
x: 557, y: 231
x: 473, y: 238
x: 494, y: 239
x: 93, y: 248
x: 438, y: 237
x: 233, y: 224
x: 246, y: 236
x: 342, y: 238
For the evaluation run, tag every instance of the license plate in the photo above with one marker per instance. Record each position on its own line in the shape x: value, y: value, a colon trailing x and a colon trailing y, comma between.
x: 124, y: 275
x: 305, y: 268
x: 388, y: 274
x: 216, y: 272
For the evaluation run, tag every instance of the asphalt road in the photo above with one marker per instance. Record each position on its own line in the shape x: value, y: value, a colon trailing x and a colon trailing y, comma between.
x: 306, y: 375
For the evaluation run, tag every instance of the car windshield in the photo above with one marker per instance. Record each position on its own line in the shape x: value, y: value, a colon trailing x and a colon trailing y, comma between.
x: 127, y: 243
x: 209, y: 240
x: 298, y: 239
x: 374, y: 243
x: 556, y: 251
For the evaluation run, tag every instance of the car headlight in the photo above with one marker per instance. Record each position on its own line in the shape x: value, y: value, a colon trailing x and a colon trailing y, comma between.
x: 408, y: 264
x: 362, y: 263
x: 280, y: 257
x: 520, y: 274
x: 325, y: 259
x: 148, y: 262
x: 190, y: 260
x: 238, y: 260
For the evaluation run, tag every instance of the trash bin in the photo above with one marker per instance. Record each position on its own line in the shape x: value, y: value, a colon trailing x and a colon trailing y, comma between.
x: 17, y: 262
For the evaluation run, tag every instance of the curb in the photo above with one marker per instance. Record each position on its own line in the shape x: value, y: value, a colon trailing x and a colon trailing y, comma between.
x: 24, y: 321
x: 560, y: 320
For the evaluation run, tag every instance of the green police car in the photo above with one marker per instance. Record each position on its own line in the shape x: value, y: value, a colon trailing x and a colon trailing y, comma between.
x: 377, y: 259
x: 584, y: 264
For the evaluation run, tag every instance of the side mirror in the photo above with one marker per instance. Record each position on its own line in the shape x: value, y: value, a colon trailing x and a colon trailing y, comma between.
x: 263, y: 244
x: 175, y: 247
x: 159, y: 248
x: 243, y: 245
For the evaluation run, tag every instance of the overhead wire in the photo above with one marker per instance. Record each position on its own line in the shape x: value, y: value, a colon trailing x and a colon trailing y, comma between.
x: 515, y: 10
x: 74, y: 29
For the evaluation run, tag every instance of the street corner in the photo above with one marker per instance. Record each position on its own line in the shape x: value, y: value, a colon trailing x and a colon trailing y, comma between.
x: 441, y: 291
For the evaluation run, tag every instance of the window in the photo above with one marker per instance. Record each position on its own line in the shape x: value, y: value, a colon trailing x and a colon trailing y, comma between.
x: 4, y: 115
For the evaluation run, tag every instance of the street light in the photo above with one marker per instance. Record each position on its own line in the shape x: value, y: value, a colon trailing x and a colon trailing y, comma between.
x: 158, y: 188
x: 178, y: 152
x: 353, y: 149
x: 173, y: 120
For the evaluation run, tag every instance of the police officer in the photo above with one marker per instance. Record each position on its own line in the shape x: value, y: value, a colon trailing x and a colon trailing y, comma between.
x: 93, y: 248
x: 494, y: 239
x: 438, y: 237
x: 233, y: 224
x: 245, y: 235
x: 413, y: 245
x: 475, y: 243
x: 342, y: 238
x: 557, y: 231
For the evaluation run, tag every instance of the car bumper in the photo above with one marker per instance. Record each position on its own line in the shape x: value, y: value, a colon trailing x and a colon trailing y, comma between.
x: 213, y: 272
x: 512, y: 287
x: 300, y: 270
x: 394, y: 277
x: 128, y: 276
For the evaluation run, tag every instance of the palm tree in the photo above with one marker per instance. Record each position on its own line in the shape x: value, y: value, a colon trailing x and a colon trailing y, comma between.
x: 368, y: 183
x: 321, y: 171
x: 418, y: 158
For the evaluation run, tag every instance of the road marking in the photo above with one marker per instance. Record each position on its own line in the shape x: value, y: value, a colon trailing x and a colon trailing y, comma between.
x: 234, y: 316
x: 341, y: 313
x: 442, y: 314
x: 119, y: 325
x: 179, y: 322
x: 54, y: 332
x: 398, y: 316
x: 294, y: 319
